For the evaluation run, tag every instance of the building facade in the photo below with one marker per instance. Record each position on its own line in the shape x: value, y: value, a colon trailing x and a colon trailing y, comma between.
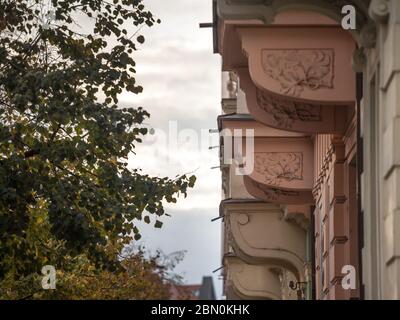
x: 310, y: 160
x: 203, y: 291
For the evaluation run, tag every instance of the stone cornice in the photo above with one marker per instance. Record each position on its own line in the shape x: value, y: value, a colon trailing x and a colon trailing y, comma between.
x: 246, y: 10
x: 265, y: 11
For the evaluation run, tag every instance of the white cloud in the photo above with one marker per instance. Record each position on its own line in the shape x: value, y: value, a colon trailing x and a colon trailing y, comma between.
x: 193, y: 232
x: 181, y: 80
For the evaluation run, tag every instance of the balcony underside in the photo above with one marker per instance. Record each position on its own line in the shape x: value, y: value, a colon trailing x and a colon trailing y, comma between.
x: 259, y: 235
x: 287, y: 113
x: 279, y: 164
x: 283, y: 170
x: 277, y: 195
x: 294, y: 78
x: 258, y: 282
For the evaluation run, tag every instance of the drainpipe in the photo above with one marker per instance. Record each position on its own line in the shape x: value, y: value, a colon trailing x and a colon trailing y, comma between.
x: 360, y: 169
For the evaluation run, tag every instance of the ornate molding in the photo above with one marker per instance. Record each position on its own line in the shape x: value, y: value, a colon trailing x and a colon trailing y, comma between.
x: 334, y: 155
x: 299, y: 219
x: 285, y: 112
x: 368, y: 36
x: 274, y: 194
x: 225, y: 179
x: 243, y: 9
x: 253, y: 281
x: 359, y: 60
x: 299, y: 69
x: 379, y: 10
x: 278, y: 195
x: 313, y: 114
x: 232, y: 85
x: 229, y: 105
x: 251, y: 231
x: 297, y: 215
x: 278, y: 166
x: 243, y: 219
x: 265, y: 11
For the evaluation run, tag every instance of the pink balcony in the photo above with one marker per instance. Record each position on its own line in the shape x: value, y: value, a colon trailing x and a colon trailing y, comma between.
x: 296, y: 78
x: 282, y: 170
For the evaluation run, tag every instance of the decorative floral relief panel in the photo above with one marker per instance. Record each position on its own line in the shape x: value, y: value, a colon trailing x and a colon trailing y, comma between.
x: 285, y: 112
x: 297, y: 69
x: 273, y: 194
x: 278, y: 166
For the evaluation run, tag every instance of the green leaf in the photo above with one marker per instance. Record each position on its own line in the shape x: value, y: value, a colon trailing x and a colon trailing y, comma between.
x: 158, y: 224
x: 140, y: 39
x: 66, y: 191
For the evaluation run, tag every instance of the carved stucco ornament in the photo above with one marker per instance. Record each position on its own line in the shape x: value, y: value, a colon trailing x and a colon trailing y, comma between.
x: 285, y: 111
x: 297, y: 217
x: 225, y: 179
x: 273, y: 194
x: 250, y: 230
x: 296, y: 114
x: 279, y: 195
x: 252, y: 281
x: 379, y: 10
x: 278, y: 166
x: 299, y: 69
x: 368, y: 36
x: 243, y: 219
x: 359, y: 60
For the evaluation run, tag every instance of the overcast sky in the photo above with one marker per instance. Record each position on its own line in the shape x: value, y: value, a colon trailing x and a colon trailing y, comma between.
x: 181, y: 80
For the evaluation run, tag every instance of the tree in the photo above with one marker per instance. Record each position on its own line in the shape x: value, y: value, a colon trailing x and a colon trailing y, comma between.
x: 65, y: 187
x: 140, y: 278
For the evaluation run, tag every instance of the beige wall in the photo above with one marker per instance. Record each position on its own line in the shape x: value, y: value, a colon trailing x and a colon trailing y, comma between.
x: 381, y: 177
